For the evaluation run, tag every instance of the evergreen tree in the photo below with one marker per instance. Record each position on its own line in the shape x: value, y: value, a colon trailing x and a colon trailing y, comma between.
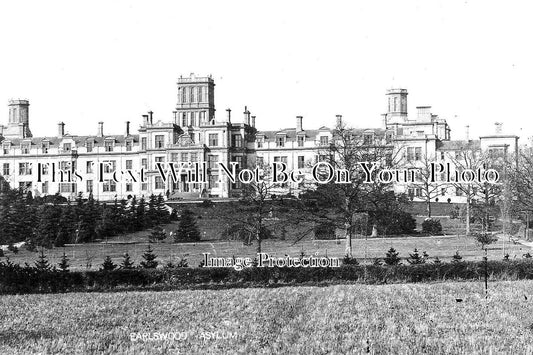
x: 63, y: 264
x: 67, y: 226
x: 126, y: 264
x: 392, y: 258
x: 108, y: 264
x: 48, y: 226
x: 157, y: 235
x: 140, y: 215
x: 152, y: 216
x: 149, y: 257
x: 187, y: 228
x: 415, y: 258
x: 42, y: 263
x: 162, y: 211
x: 456, y: 257
x: 437, y: 260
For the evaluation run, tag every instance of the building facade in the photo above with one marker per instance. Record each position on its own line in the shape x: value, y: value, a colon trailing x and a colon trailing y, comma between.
x: 195, y: 141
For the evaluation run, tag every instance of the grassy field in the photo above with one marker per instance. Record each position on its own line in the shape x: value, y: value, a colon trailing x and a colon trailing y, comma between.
x: 399, y: 319
x: 443, y: 247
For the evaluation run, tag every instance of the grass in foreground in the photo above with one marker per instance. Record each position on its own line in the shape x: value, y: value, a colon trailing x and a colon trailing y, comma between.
x: 406, y: 319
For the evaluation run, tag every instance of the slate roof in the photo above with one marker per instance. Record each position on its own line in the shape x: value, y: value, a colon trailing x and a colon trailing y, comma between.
x: 79, y: 140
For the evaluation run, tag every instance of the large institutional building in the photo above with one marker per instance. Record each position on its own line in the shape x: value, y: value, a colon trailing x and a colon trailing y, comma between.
x: 70, y: 164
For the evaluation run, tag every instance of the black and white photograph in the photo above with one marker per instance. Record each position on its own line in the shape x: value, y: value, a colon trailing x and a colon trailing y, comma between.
x: 281, y: 177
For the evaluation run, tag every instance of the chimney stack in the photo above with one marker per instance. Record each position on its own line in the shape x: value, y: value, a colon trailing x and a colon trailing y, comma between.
x: 299, y: 120
x: 246, y: 116
x: 498, y: 127
x: 145, y: 119
x: 60, y: 129
x: 229, y: 115
x: 253, y: 121
x: 151, y: 113
x: 339, y: 121
x: 100, y: 129
x: 127, y: 128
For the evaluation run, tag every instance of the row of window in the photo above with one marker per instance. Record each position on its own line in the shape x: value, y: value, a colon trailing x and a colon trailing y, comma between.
x: 192, y: 94
x: 67, y: 147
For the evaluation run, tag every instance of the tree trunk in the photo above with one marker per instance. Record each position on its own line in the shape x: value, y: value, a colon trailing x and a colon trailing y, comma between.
x: 428, y: 207
x: 468, y: 216
x: 258, y: 239
x: 348, y: 231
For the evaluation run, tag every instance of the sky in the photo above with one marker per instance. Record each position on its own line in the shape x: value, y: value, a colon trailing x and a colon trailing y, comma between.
x: 85, y: 62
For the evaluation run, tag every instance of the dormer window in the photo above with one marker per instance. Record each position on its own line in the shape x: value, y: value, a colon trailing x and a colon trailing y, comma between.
x: 260, y: 142
x: 129, y: 145
x: 301, y: 140
x: 324, y: 140
x: 44, y: 147
x: 108, y: 145
x: 5, y: 148
x: 67, y: 147
x: 388, y: 138
x: 25, y: 148
x: 280, y: 141
x: 89, y: 145
x: 368, y: 138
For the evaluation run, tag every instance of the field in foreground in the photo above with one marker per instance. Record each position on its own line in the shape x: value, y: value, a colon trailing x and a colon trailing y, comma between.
x: 401, y: 319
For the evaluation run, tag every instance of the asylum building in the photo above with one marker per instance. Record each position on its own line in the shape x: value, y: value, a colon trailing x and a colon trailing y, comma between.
x: 69, y: 163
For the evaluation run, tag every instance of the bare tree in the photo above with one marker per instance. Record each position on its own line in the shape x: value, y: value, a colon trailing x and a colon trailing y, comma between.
x: 426, y: 186
x: 469, y: 160
x: 355, y: 189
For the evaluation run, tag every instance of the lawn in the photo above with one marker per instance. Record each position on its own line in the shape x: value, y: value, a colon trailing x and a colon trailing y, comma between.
x: 398, y: 319
x: 443, y: 247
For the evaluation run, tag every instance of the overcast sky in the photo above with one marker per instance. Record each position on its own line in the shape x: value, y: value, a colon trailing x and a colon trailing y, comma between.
x: 112, y: 61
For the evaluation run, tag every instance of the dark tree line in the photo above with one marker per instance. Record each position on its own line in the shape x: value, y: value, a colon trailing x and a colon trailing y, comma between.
x: 54, y: 221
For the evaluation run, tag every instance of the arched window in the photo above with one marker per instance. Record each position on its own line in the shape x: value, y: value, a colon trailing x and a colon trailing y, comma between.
x: 182, y: 95
x: 395, y: 104
x: 200, y: 94
x: 192, y: 94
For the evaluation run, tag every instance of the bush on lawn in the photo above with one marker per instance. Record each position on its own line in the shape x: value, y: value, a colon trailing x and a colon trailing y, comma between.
x: 432, y: 226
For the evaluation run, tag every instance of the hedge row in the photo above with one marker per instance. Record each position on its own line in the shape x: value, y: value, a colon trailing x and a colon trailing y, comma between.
x: 16, y: 279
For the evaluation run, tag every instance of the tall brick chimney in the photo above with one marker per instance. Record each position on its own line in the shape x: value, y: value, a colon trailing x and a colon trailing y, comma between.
x: 338, y: 120
x: 299, y: 121
x: 229, y: 114
x: 127, y: 128
x: 253, y: 121
x: 60, y: 129
x: 100, y: 129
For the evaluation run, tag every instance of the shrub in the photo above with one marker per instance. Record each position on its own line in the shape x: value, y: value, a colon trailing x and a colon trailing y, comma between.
x: 63, y: 264
x: 12, y: 248
x: 126, y: 264
x: 108, y: 264
x: 42, y: 264
x: 392, y: 258
x: 187, y: 229
x: 149, y: 257
x: 157, y: 235
x: 325, y: 230
x: 431, y: 226
x: 207, y: 204
x: 415, y: 258
x: 484, y: 239
x: 457, y: 257
x: 348, y: 260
